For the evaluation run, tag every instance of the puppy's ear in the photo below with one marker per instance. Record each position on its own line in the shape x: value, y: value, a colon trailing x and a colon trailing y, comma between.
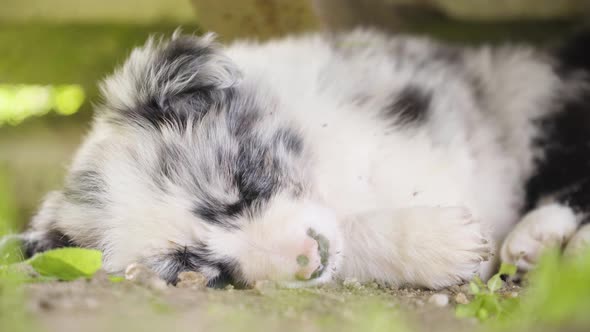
x: 44, y: 233
x: 159, y: 73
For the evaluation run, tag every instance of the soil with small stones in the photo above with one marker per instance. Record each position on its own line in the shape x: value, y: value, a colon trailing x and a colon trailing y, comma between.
x: 101, y: 305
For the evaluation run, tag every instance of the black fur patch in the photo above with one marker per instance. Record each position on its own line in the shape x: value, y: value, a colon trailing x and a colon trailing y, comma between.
x: 193, y: 258
x: 255, y: 174
x: 158, y: 114
x: 577, y: 197
x: 48, y: 240
x: 86, y: 187
x: 218, y: 212
x: 174, y: 111
x: 410, y: 106
x: 564, y: 170
x: 179, y: 85
x: 257, y: 171
x: 566, y: 149
x: 575, y: 54
x: 179, y: 55
x: 254, y: 171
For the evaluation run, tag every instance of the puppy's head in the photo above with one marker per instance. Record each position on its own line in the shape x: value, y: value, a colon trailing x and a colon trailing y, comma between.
x: 189, y: 167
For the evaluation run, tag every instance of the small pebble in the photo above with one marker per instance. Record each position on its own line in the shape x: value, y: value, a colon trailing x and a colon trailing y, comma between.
x: 142, y: 275
x: 439, y: 300
x: 192, y: 279
x: 461, y: 298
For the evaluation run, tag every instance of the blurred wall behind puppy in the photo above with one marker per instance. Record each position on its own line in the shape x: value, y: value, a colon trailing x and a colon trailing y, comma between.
x: 271, y: 18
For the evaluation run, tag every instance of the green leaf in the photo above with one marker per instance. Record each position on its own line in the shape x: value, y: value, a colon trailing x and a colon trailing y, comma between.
x: 508, y: 307
x: 468, y: 310
x: 507, y: 269
x: 479, y: 283
x: 67, y: 263
x: 474, y: 288
x: 491, y: 303
x: 495, y: 283
x: 482, y: 314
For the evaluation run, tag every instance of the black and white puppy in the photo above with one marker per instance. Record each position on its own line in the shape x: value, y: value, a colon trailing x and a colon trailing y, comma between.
x: 308, y: 159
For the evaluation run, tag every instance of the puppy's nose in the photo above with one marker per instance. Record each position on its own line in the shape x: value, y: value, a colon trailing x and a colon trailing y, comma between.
x: 309, y: 261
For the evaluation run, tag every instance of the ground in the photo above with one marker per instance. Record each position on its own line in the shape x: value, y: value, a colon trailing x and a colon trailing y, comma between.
x: 102, y: 306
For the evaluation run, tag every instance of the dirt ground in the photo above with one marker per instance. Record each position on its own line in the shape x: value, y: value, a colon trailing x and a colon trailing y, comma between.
x: 100, y: 305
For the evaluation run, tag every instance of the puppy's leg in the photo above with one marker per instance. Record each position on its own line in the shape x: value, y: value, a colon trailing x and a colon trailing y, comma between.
x: 431, y: 247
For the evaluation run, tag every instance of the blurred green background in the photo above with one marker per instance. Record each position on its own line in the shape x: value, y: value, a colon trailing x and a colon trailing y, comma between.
x: 75, y: 43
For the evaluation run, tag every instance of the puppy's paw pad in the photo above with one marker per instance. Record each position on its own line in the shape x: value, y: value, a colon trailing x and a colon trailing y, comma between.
x: 548, y: 226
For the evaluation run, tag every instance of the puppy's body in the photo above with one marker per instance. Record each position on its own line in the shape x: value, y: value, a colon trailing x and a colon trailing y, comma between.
x: 300, y: 160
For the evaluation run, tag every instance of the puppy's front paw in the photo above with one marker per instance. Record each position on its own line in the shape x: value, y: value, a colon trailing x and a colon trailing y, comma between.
x: 457, y: 245
x: 545, y: 227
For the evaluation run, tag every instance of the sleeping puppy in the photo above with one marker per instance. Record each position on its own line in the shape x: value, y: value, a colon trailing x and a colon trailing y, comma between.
x: 305, y: 160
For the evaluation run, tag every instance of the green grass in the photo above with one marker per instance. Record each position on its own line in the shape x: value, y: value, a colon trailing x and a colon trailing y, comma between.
x: 487, y: 302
